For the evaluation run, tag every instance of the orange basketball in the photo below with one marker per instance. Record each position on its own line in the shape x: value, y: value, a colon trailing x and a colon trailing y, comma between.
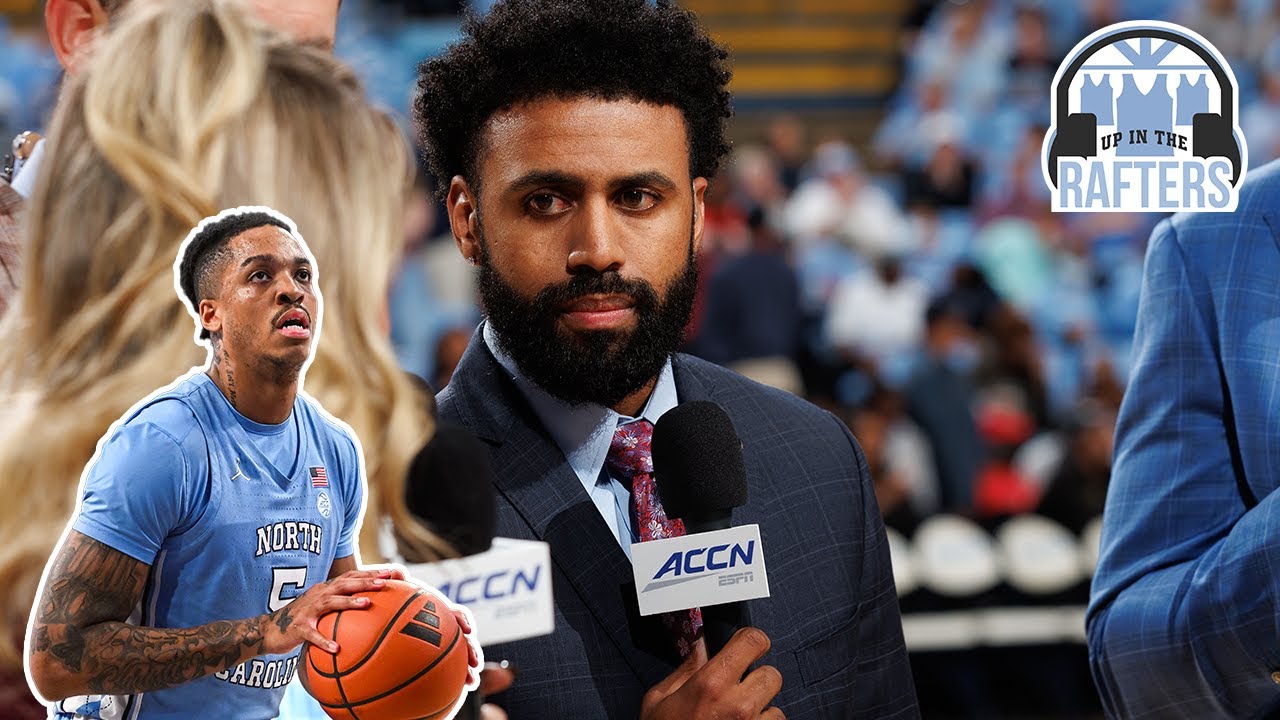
x: 400, y: 658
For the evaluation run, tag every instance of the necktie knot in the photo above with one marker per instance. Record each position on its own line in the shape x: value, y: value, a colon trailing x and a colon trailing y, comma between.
x: 630, y: 452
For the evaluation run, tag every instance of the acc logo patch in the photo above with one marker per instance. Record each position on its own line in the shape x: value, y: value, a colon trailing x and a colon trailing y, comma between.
x: 322, y: 504
x: 1145, y: 119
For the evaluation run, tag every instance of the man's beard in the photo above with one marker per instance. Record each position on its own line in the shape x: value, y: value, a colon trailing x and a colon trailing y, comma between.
x: 590, y: 366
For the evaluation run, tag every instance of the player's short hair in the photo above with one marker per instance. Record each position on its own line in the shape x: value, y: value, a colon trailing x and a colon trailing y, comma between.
x: 207, y: 248
x: 525, y: 50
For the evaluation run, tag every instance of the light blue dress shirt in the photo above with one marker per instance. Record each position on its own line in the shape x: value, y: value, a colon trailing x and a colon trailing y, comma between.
x: 584, y: 433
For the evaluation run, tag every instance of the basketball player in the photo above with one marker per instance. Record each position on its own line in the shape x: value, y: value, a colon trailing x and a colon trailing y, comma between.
x: 218, y: 520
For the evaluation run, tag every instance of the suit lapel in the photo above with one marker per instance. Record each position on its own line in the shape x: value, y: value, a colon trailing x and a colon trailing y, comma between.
x: 531, y: 473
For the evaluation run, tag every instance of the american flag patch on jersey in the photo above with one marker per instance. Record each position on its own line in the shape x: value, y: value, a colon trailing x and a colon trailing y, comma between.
x: 318, y: 477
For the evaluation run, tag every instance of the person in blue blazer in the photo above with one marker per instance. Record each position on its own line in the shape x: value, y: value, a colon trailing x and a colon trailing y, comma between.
x: 572, y: 141
x: 1185, y: 610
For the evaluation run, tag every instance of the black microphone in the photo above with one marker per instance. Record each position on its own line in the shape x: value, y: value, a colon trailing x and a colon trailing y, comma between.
x: 450, y: 488
x: 701, y: 478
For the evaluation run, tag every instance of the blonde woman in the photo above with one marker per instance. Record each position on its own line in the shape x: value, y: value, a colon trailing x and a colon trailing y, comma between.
x: 208, y: 111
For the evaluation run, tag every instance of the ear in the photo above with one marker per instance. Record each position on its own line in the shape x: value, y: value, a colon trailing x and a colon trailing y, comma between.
x: 210, y: 316
x: 72, y: 26
x: 699, y: 211
x: 461, y: 203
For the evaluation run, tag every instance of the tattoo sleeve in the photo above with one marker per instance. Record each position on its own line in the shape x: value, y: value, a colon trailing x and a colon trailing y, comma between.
x: 79, y: 628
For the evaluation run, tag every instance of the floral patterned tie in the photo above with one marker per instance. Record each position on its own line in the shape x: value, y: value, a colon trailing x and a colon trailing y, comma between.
x: 630, y: 460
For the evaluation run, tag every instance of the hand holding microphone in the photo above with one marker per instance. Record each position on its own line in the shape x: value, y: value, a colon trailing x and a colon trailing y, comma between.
x: 700, y: 477
x: 702, y: 688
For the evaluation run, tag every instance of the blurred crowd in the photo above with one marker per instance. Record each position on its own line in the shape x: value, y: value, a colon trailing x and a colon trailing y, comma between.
x: 914, y: 282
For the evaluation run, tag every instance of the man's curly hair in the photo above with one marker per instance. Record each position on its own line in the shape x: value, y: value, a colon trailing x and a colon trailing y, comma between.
x: 608, y: 49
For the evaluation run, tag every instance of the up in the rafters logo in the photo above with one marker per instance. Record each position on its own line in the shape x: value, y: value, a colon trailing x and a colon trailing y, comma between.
x: 1144, y: 120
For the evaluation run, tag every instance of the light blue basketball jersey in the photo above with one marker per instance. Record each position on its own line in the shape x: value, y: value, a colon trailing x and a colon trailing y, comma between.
x: 188, y: 485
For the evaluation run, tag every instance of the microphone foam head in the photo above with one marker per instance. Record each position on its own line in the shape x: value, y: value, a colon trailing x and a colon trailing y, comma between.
x: 451, y: 489
x: 697, y: 461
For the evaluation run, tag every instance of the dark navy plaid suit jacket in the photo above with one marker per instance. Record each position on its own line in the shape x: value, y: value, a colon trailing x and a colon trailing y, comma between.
x: 833, y: 614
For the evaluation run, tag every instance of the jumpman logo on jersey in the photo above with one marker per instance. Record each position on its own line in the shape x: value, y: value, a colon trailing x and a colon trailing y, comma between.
x: 239, y: 472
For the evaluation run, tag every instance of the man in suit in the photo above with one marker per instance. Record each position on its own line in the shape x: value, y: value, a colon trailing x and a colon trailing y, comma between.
x: 573, y: 140
x: 1185, y: 606
x: 72, y: 26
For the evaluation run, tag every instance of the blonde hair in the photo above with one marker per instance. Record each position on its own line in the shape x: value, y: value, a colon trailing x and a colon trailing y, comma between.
x: 194, y: 108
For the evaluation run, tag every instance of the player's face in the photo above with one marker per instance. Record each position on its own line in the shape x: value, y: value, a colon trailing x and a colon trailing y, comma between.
x: 268, y: 304
x: 586, y: 230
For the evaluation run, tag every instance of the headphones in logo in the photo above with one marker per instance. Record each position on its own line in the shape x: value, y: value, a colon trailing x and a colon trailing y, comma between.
x: 1076, y: 134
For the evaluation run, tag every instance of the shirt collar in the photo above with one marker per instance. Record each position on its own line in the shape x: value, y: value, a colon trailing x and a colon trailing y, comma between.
x: 583, y: 432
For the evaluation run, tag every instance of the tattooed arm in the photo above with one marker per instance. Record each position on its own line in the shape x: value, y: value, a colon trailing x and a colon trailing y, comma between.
x: 80, y: 643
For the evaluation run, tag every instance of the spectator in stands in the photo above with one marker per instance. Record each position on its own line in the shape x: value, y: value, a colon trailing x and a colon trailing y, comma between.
x: 939, y: 399
x: 907, y: 450
x: 1016, y: 258
x: 1015, y: 364
x: 1221, y: 23
x: 1104, y: 384
x: 913, y: 23
x: 1264, y: 28
x: 1077, y: 490
x: 757, y: 182
x: 1000, y: 488
x: 893, y: 494
x: 751, y: 321
x: 877, y: 315
x: 726, y: 230
x: 948, y: 177
x: 840, y: 203
x: 1033, y: 61
x: 971, y: 295
x: 785, y: 136
x: 902, y: 140
x: 1099, y: 14
x: 448, y: 351
x: 905, y: 454
x: 1014, y: 184
x: 1258, y: 119
x: 969, y: 47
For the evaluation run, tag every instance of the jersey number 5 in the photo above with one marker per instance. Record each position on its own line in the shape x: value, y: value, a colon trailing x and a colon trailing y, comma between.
x: 290, y: 579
